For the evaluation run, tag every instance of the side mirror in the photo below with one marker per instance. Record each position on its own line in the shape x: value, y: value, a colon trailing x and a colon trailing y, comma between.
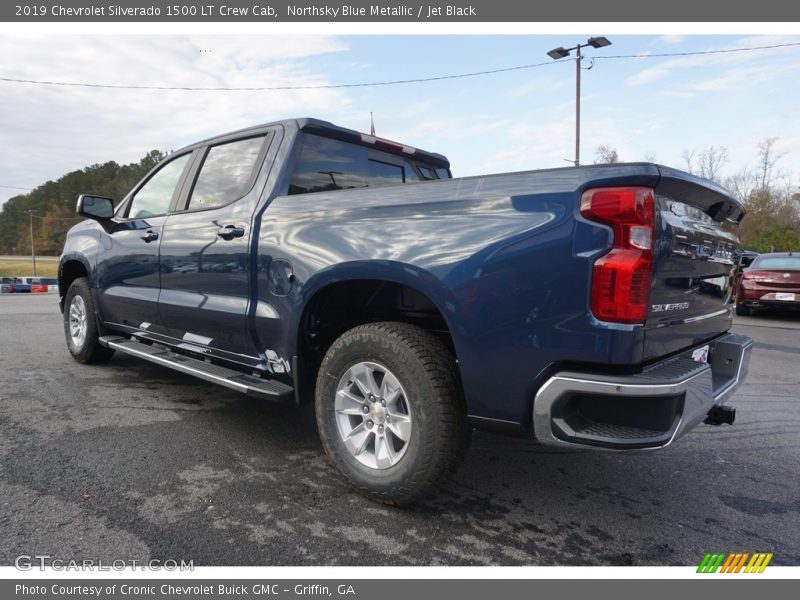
x: 95, y: 207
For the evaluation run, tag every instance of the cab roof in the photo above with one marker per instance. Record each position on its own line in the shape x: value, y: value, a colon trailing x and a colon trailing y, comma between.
x: 329, y: 130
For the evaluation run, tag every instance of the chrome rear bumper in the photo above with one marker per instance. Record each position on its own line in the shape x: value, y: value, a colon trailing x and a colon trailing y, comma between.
x: 646, y: 410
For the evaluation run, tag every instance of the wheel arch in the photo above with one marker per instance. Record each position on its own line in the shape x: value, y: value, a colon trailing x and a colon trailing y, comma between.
x: 69, y: 269
x: 359, y: 293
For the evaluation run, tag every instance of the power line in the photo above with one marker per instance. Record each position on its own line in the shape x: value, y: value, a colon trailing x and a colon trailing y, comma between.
x: 277, y: 87
x: 697, y: 53
x: 382, y: 83
x: 14, y: 187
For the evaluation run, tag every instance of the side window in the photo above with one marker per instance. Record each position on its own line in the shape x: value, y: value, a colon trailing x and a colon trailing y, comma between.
x: 427, y: 172
x: 382, y: 173
x: 155, y: 196
x: 325, y: 164
x: 226, y: 174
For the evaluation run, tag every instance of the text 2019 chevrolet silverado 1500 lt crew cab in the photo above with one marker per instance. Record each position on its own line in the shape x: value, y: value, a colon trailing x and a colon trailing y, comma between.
x: 584, y: 307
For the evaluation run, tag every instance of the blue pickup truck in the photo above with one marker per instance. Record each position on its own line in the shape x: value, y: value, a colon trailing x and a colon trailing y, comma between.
x: 583, y: 307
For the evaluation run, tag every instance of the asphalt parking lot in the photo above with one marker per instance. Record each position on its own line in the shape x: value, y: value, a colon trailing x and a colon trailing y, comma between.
x: 133, y: 461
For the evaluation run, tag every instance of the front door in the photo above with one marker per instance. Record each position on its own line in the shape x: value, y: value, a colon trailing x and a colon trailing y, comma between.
x: 128, y: 268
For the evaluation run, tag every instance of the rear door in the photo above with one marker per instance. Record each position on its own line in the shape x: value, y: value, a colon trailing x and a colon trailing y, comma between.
x: 205, y: 258
x: 691, y: 296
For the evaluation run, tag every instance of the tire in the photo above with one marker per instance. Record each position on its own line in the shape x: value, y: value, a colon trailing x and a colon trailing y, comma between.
x: 418, y: 437
x: 742, y: 309
x: 81, y: 326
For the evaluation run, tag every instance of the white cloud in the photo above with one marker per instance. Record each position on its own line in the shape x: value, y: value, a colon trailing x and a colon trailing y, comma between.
x: 672, y: 40
x: 670, y: 66
x: 54, y: 129
x: 539, y: 84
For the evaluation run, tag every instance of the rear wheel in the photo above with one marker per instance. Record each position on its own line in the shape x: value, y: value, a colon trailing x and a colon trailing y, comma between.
x: 742, y: 309
x: 80, y: 324
x: 390, y: 411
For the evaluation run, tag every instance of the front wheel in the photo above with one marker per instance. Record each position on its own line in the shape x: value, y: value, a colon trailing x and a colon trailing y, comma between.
x: 80, y: 324
x: 390, y: 411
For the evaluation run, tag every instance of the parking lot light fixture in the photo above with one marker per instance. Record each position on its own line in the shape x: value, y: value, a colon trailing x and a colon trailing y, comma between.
x: 558, y: 54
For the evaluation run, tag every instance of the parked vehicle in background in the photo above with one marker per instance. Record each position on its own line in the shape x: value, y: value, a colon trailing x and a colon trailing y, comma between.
x: 16, y: 285
x: 743, y: 260
x: 771, y: 280
x: 41, y: 285
x: 584, y: 307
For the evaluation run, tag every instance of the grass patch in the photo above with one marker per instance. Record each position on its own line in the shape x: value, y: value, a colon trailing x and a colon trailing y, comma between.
x: 22, y: 267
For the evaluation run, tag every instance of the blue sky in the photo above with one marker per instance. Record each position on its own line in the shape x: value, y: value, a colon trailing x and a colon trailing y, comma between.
x: 645, y: 108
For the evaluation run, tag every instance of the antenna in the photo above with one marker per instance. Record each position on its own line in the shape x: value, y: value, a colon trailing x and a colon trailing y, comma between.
x: 371, y: 124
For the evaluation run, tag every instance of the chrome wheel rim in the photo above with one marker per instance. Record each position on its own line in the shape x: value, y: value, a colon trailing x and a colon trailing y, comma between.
x: 77, y: 322
x: 373, y: 415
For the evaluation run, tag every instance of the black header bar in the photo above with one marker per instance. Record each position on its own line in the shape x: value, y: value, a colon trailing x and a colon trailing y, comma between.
x: 409, y: 11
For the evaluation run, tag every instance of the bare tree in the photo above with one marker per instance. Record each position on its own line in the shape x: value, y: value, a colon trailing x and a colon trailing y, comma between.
x: 688, y: 160
x: 606, y: 155
x: 711, y: 161
x: 767, y: 158
x: 707, y: 163
x: 773, y: 211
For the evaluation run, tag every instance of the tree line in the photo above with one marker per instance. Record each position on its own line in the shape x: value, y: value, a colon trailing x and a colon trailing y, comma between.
x: 768, y: 192
x: 51, y: 206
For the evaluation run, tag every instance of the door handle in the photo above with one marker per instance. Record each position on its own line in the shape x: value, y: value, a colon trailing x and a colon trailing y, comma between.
x: 150, y: 236
x: 230, y: 231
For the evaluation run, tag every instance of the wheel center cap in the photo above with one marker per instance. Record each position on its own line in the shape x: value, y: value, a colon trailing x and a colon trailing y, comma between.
x: 377, y: 413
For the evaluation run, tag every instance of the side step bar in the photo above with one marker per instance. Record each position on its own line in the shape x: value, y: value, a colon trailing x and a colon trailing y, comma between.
x: 269, y: 389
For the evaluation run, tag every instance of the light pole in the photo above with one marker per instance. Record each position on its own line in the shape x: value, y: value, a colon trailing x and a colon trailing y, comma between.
x: 559, y: 53
x: 33, y: 251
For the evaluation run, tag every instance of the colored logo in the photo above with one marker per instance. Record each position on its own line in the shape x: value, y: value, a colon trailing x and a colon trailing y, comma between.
x: 734, y: 563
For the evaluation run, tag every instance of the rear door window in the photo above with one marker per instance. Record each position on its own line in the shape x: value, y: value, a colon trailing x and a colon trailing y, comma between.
x: 227, y: 173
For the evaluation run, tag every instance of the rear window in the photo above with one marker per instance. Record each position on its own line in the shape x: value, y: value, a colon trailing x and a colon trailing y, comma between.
x: 325, y: 164
x: 777, y: 262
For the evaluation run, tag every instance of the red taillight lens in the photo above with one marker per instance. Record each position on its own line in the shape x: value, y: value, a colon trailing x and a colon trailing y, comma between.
x: 756, y: 275
x: 621, y: 278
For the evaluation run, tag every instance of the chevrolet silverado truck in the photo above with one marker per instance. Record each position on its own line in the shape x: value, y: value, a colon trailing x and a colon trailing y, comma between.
x: 582, y: 307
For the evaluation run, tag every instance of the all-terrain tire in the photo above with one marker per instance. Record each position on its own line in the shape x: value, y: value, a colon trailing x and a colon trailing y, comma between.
x: 81, y: 326
x: 427, y: 372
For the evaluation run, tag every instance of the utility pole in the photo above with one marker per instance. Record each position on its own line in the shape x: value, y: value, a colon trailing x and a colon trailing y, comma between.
x: 559, y: 53
x: 578, y: 59
x: 33, y: 251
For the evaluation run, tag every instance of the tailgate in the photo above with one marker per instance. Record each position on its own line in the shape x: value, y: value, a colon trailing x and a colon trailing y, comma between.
x: 691, y: 296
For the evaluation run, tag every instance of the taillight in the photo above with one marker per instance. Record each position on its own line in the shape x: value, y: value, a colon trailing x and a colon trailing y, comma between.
x: 621, y: 278
x: 757, y: 275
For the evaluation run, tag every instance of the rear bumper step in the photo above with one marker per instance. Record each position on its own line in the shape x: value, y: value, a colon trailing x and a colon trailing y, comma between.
x: 230, y: 378
x: 646, y: 410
